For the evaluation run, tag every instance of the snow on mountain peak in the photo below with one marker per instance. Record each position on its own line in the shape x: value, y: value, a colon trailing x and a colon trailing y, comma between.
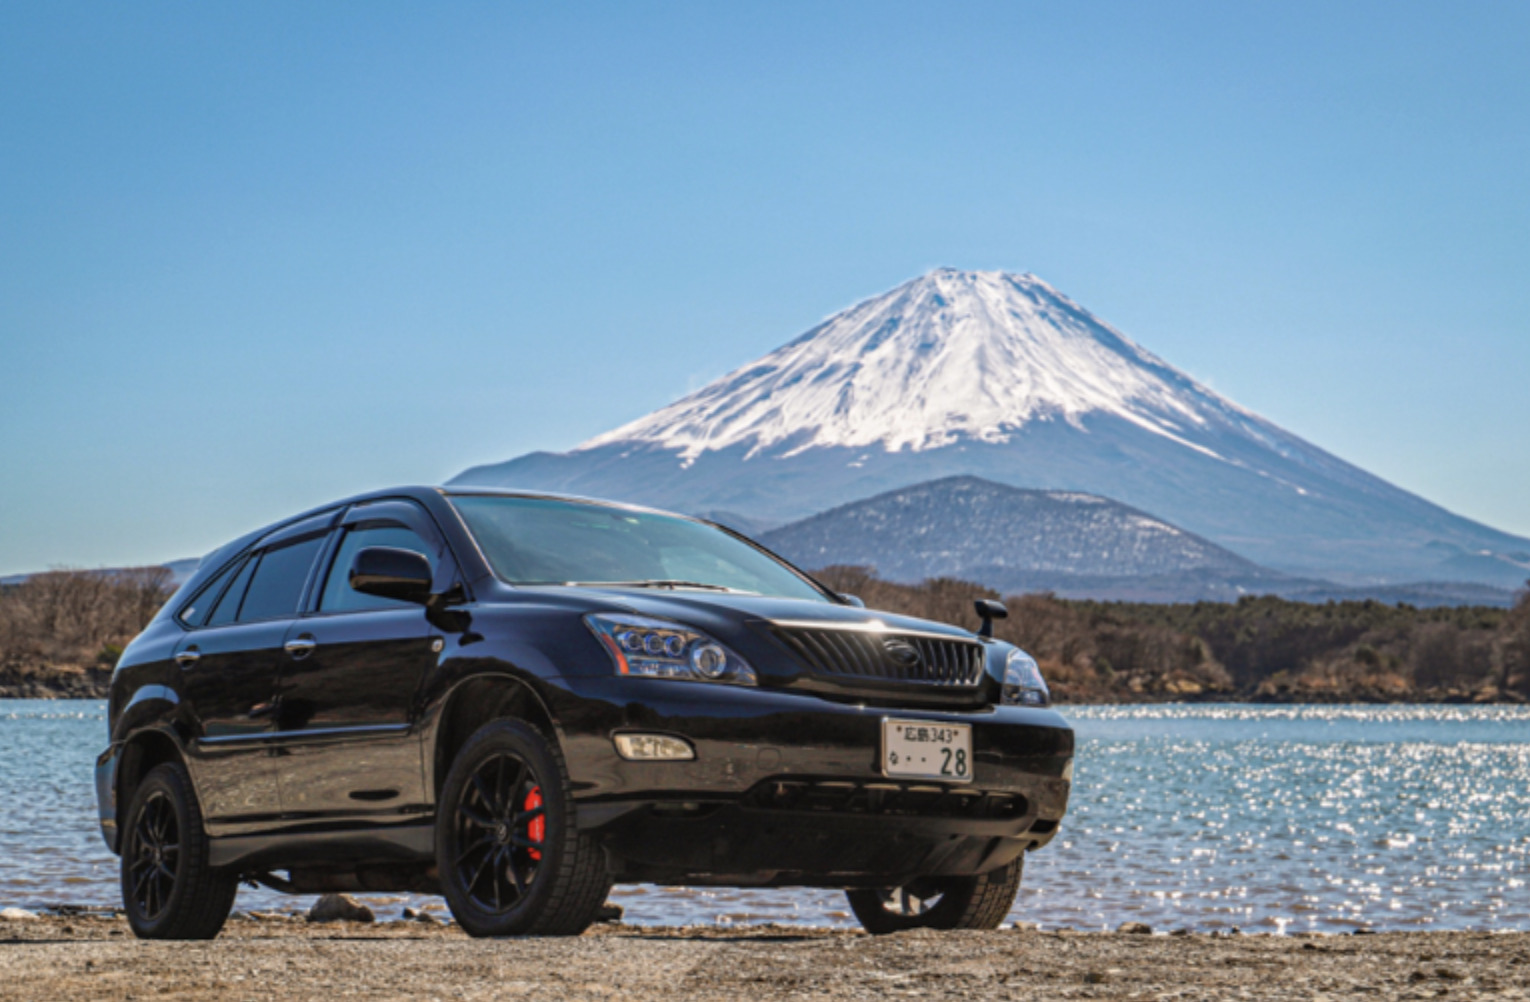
x: 946, y: 356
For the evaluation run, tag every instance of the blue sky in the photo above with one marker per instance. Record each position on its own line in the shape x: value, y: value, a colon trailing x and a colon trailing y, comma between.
x: 256, y: 257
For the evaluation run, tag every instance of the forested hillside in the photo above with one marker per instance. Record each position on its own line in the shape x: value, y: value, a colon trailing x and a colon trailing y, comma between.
x: 61, y: 633
x: 1265, y: 649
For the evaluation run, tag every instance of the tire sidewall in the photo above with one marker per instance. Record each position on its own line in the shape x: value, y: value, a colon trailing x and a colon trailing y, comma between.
x: 532, y: 746
x: 957, y: 897
x: 171, y: 781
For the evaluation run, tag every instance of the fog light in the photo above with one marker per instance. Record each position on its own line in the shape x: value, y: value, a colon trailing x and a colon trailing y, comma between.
x: 651, y: 747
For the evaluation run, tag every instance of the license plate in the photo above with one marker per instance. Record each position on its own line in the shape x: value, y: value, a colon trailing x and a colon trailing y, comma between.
x: 919, y: 749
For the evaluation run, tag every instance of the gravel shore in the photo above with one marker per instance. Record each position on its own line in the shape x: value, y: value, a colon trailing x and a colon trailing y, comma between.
x: 90, y: 957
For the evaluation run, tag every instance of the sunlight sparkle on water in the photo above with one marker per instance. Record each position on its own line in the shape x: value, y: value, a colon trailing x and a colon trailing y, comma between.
x: 1275, y: 818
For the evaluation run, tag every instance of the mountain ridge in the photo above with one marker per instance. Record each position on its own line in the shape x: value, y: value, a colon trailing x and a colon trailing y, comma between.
x: 1014, y: 539
x: 1066, y: 543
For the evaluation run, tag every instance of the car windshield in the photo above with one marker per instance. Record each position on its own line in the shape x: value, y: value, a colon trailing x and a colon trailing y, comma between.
x: 545, y: 541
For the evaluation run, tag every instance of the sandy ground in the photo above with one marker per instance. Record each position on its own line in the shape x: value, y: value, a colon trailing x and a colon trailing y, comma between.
x: 96, y: 958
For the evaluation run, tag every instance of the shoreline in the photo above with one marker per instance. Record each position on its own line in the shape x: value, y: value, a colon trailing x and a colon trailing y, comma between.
x: 92, y: 956
x: 69, y: 682
x: 54, y: 681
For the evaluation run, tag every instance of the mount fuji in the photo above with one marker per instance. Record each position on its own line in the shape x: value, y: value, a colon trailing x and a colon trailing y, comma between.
x: 1000, y: 376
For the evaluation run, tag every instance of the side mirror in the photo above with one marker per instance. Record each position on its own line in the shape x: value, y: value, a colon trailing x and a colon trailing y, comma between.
x: 850, y: 599
x: 391, y: 573
x: 989, y: 610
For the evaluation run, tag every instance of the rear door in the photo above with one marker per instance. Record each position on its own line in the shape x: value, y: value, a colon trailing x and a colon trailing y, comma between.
x: 230, y: 664
x: 349, y: 689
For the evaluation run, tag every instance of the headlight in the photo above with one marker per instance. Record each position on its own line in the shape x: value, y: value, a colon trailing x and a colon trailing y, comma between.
x: 1023, y: 684
x: 659, y: 648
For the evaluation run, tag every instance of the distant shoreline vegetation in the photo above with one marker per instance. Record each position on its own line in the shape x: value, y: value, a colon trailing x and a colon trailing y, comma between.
x: 1258, y: 649
x: 61, y: 633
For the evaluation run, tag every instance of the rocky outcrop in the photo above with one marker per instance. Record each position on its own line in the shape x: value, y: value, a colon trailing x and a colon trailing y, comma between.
x: 340, y: 908
x: 22, y: 680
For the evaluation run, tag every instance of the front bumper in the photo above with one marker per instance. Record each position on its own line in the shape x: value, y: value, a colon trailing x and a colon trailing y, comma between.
x: 787, y: 788
x: 106, y: 794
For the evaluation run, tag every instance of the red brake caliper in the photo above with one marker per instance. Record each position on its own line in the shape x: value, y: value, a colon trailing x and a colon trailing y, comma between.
x: 536, y: 828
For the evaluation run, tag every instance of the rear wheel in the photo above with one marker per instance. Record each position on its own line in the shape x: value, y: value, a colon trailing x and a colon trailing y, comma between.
x: 169, y: 890
x: 512, y: 860
x: 979, y: 902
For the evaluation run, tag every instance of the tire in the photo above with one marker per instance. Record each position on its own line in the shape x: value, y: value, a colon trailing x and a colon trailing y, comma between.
x: 169, y: 889
x: 979, y: 902
x: 511, y: 858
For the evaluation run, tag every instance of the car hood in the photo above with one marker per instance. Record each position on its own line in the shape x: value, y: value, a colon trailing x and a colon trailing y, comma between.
x: 739, y: 621
x: 724, y: 611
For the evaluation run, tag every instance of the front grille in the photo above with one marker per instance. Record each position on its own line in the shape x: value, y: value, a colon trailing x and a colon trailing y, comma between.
x: 865, y: 655
x: 885, y: 798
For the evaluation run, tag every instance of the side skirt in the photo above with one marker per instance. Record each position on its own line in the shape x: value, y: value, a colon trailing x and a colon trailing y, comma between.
x: 347, y: 848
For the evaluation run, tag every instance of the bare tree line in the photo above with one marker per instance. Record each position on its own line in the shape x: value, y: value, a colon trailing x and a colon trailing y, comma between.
x: 1259, y: 648
x: 1263, y: 648
x: 78, y: 618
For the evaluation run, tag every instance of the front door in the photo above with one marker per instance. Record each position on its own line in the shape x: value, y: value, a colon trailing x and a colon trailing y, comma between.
x: 348, y: 694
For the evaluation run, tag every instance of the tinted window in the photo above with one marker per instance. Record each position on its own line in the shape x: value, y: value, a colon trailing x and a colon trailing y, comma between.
x: 277, y: 586
x: 195, y: 614
x: 228, y: 605
x: 339, y: 596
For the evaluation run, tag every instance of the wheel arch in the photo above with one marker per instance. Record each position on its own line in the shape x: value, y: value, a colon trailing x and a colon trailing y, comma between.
x: 141, y: 753
x: 476, y: 701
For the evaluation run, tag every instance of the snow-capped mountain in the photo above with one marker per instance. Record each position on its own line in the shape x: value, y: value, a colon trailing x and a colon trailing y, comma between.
x: 949, y: 357
x: 1001, y: 376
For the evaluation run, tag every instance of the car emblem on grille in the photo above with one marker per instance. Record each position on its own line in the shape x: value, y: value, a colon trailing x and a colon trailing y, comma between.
x: 901, y: 652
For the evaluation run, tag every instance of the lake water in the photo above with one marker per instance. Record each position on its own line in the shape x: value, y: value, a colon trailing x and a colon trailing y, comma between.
x: 1202, y: 817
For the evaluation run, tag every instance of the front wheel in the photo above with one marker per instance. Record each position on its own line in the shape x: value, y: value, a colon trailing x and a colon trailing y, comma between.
x: 979, y: 902
x: 169, y: 890
x: 511, y: 858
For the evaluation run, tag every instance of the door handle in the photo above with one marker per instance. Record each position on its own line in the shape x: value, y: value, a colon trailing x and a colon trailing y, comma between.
x: 263, y: 710
x: 301, y: 647
x: 188, y: 657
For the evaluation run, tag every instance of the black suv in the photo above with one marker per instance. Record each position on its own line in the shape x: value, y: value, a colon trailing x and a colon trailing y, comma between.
x: 516, y: 700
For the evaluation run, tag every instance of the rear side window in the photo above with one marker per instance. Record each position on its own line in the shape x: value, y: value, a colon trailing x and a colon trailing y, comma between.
x: 339, y: 596
x: 277, y: 584
x: 228, y: 605
x: 195, y: 614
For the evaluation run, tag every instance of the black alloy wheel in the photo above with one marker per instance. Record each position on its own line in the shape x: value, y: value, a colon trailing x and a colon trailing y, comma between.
x: 169, y: 890
x: 501, y: 824
x: 153, y: 855
x: 511, y: 860
x: 979, y: 902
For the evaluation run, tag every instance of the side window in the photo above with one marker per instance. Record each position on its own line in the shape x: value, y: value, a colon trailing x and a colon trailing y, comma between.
x: 195, y: 614
x: 277, y: 584
x: 228, y: 605
x: 338, y: 595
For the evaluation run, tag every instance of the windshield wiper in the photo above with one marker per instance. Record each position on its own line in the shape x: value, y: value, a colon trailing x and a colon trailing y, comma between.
x: 658, y: 583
